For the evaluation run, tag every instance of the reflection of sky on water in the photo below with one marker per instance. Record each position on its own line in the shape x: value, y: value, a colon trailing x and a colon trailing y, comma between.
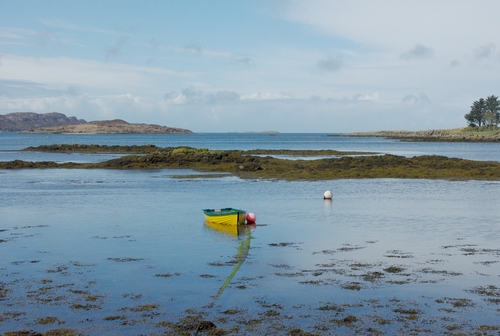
x: 95, y: 217
x: 56, y: 157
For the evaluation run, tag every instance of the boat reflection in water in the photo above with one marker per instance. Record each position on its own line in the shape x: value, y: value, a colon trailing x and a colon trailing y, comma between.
x: 227, y: 229
x: 233, y: 230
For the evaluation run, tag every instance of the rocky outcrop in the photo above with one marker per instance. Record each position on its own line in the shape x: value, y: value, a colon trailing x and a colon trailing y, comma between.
x: 22, y: 121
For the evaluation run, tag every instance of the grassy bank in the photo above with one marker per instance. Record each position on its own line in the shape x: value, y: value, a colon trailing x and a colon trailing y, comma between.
x: 253, y: 164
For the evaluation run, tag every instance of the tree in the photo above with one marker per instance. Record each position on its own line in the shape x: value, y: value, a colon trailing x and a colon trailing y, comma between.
x: 492, y: 111
x: 476, y: 115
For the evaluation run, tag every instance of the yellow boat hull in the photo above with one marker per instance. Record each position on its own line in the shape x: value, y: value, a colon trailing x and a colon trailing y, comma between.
x: 227, y: 216
x: 233, y: 230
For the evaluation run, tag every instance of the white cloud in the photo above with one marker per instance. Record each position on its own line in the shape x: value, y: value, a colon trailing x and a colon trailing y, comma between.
x: 265, y: 96
x: 97, y: 76
x: 366, y: 113
x: 454, y: 25
x: 71, y: 26
x: 17, y: 33
x: 223, y: 96
x: 191, y: 96
x: 420, y: 100
x: 21, y: 89
x: 195, y: 48
x: 124, y: 106
x: 33, y: 37
x: 373, y: 96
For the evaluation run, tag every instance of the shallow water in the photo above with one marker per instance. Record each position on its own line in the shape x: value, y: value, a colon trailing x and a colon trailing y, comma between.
x: 127, y: 252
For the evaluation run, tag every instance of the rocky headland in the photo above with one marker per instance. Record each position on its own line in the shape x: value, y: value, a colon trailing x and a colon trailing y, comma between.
x: 465, y: 134
x: 50, y: 123
x: 116, y: 126
x: 23, y: 121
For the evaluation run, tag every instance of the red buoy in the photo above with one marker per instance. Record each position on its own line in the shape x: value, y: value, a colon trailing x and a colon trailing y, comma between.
x: 251, y: 218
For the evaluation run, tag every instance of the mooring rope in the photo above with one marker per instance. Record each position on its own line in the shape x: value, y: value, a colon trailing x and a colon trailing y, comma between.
x: 243, y: 249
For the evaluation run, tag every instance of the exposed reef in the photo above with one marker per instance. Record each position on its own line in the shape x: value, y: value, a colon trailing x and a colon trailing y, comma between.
x: 252, y: 164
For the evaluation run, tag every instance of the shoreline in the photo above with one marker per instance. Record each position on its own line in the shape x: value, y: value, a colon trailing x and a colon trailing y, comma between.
x: 465, y: 134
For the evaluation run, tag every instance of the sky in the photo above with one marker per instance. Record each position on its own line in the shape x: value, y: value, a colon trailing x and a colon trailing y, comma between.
x: 306, y: 66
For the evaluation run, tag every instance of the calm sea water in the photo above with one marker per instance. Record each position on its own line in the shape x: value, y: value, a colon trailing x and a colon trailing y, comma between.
x: 127, y: 252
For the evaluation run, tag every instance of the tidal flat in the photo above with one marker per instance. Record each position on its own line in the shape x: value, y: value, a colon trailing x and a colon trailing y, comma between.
x: 69, y: 294
x: 101, y: 252
x: 252, y: 163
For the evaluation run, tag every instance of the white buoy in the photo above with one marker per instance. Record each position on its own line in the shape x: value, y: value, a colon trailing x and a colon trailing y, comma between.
x: 327, y: 195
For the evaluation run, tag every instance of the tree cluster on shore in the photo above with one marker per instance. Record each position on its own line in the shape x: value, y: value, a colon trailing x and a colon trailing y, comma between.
x: 484, y: 112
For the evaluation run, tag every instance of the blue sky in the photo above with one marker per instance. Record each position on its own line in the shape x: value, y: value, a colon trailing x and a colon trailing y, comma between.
x: 235, y: 66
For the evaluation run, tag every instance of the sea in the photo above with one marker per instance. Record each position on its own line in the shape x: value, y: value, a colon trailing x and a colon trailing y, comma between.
x: 127, y: 252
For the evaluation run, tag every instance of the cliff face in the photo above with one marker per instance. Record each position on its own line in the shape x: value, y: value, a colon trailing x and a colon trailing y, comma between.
x: 22, y: 121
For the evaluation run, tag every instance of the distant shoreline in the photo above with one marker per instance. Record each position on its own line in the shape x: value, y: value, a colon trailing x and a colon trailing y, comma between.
x: 465, y: 134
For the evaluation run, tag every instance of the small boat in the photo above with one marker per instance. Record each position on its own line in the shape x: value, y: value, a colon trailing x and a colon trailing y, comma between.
x: 225, y: 216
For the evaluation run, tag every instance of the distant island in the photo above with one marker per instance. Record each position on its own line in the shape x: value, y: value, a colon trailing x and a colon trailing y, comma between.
x: 51, y: 123
x: 22, y: 121
x: 262, y: 132
x: 256, y: 132
x: 116, y: 126
x: 464, y: 134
